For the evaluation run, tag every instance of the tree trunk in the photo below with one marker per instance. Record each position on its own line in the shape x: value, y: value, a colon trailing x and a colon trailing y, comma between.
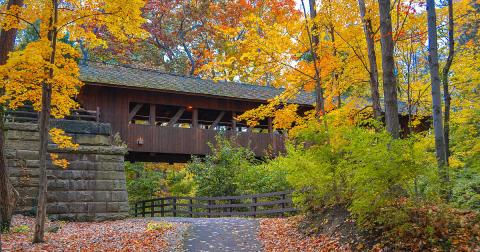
x: 44, y: 126
x: 314, y: 42
x: 388, y: 65
x: 446, y: 93
x: 335, y: 74
x: 8, y: 195
x: 436, y: 95
x: 372, y: 58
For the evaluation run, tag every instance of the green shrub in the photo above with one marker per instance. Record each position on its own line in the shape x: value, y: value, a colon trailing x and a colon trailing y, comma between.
x: 466, y: 191
x: 233, y: 170
x: 146, y: 183
x: 143, y: 184
x: 361, y: 167
x: 261, y: 178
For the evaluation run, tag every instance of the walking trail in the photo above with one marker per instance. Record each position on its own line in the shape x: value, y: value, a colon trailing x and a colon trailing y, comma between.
x: 219, y: 234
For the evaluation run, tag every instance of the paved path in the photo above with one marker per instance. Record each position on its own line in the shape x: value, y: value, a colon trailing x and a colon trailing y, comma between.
x: 220, y: 234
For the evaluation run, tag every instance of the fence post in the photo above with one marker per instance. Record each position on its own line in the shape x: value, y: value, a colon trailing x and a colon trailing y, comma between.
x: 190, y: 207
x: 283, y: 204
x: 209, y: 210
x: 152, y: 209
x: 174, y: 207
x: 231, y: 208
x: 143, y: 208
x: 254, y: 207
x: 136, y: 210
x: 162, y: 207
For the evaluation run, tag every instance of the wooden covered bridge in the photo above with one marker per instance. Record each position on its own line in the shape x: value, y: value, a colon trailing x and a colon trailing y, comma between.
x: 166, y: 117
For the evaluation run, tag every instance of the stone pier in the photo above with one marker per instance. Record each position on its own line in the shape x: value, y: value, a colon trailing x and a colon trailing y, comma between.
x: 91, y: 188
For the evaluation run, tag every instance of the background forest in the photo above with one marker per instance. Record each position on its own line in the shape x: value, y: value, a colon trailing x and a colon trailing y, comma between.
x: 394, y: 138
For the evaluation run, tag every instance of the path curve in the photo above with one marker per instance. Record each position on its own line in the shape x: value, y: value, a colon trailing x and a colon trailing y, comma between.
x: 219, y: 234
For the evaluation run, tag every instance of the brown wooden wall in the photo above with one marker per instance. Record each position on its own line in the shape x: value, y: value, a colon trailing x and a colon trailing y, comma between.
x: 113, y: 104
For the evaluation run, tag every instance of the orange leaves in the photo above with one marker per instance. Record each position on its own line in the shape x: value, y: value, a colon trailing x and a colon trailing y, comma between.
x: 122, y: 235
x: 282, y: 235
x: 285, y: 117
x: 436, y: 227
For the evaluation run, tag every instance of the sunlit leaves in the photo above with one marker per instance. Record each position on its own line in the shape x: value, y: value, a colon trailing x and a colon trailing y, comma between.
x: 25, y: 72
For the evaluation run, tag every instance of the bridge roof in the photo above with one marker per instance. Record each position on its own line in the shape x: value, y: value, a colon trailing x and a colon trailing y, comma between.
x: 151, y: 79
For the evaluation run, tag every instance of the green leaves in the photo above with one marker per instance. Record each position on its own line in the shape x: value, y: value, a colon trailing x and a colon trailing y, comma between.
x: 233, y: 170
x: 364, y: 168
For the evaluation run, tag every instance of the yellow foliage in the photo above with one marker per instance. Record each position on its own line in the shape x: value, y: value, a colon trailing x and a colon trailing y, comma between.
x: 164, y: 166
x: 63, y: 141
x: 56, y: 160
x: 25, y: 72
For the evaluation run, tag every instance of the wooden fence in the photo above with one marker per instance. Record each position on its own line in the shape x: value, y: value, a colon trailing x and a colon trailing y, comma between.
x: 27, y: 114
x: 267, y: 204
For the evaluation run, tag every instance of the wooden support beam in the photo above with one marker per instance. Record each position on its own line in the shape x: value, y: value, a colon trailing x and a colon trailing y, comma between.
x: 270, y: 125
x: 234, y: 122
x: 97, y: 119
x: 219, y: 117
x: 153, y: 114
x: 195, y: 118
x: 176, y: 117
x: 134, y: 111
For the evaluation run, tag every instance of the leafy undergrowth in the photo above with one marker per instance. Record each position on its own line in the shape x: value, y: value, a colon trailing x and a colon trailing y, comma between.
x: 283, y: 235
x: 406, y: 227
x: 434, y: 228
x: 121, y: 235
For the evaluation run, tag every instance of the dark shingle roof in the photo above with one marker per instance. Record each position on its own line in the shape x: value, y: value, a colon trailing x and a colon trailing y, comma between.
x: 149, y: 79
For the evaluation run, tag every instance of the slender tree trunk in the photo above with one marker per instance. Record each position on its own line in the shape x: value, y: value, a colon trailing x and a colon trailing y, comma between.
x: 446, y: 93
x: 436, y: 94
x: 388, y: 65
x: 372, y: 58
x: 8, y: 195
x: 335, y: 74
x: 409, y: 88
x: 314, y: 42
x: 44, y: 131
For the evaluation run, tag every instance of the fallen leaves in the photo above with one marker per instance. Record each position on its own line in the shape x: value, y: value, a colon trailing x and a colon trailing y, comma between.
x: 282, y: 235
x: 121, y: 235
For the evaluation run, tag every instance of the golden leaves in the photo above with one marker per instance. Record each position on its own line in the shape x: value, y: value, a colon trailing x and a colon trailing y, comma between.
x: 63, y: 141
x: 25, y: 72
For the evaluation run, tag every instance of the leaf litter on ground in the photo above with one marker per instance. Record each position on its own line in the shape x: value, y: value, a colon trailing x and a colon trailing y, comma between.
x: 119, y: 235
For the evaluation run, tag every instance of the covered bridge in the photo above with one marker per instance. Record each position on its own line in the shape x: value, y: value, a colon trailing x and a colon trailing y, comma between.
x: 167, y: 117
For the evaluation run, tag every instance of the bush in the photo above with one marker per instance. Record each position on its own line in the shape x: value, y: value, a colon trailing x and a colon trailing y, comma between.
x: 361, y: 167
x: 233, y: 170
x: 150, y: 180
x: 466, y: 191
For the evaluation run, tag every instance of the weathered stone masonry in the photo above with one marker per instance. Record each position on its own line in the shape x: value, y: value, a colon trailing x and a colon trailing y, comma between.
x: 91, y: 188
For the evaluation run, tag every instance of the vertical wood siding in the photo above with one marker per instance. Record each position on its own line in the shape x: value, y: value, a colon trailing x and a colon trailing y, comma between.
x: 113, y: 104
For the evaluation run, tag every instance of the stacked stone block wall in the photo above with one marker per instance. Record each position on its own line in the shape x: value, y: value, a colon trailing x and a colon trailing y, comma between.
x: 92, y: 187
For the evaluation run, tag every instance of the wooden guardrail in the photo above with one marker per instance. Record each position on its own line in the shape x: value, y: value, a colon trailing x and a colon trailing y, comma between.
x: 267, y: 204
x: 27, y: 114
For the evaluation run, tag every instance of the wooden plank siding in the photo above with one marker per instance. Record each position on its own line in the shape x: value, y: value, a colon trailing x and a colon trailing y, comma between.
x: 113, y: 104
x: 194, y: 141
